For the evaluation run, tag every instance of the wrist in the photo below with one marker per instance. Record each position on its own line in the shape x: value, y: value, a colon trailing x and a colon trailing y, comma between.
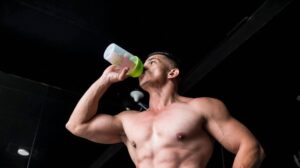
x: 104, y: 82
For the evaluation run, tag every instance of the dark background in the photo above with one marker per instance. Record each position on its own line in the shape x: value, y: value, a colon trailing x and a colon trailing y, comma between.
x: 52, y: 51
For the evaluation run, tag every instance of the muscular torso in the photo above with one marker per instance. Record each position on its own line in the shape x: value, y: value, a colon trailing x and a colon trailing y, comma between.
x: 172, y: 138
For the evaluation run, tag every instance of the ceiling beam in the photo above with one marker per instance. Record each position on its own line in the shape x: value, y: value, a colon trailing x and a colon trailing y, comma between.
x: 247, y: 27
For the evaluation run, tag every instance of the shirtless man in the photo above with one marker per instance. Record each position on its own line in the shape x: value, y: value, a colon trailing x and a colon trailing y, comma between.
x: 175, y: 132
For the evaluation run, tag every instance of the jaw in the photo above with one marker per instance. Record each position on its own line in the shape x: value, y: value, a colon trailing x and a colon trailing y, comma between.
x: 143, y: 84
x: 149, y: 81
x: 143, y: 79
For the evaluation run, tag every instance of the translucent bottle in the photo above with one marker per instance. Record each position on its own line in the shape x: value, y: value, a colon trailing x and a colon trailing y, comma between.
x: 116, y: 55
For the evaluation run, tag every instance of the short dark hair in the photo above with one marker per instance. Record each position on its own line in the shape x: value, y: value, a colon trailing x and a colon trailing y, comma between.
x: 176, y: 61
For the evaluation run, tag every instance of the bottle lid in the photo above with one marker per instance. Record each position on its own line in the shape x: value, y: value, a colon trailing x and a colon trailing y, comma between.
x: 138, y: 67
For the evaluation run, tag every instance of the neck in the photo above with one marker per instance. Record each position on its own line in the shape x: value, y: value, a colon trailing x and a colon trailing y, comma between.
x: 162, y: 97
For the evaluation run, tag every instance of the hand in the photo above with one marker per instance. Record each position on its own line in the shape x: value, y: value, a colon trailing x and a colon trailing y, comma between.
x: 113, y: 74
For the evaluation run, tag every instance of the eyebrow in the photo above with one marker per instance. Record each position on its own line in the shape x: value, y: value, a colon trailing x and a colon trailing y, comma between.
x: 151, y: 58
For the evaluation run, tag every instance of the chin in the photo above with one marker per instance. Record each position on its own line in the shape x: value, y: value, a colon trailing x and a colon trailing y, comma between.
x: 143, y: 84
x: 142, y: 79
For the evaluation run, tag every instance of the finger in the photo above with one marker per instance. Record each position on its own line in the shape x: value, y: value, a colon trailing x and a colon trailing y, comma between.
x: 114, y: 67
x: 123, y: 73
x: 109, y: 68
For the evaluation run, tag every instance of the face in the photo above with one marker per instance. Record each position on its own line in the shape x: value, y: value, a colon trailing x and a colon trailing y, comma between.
x: 156, y: 69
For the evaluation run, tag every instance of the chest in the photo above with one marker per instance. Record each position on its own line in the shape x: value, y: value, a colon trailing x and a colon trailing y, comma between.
x: 168, y: 126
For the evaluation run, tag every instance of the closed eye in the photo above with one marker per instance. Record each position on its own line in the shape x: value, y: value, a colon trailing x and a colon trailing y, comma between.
x: 151, y: 61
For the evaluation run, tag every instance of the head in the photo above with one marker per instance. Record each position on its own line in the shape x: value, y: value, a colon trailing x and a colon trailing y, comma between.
x: 160, y: 68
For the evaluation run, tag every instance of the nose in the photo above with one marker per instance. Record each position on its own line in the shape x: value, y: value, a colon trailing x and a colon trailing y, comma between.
x: 145, y: 67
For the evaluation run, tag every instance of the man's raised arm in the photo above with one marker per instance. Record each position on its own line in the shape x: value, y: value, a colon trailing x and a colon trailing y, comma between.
x: 84, y: 120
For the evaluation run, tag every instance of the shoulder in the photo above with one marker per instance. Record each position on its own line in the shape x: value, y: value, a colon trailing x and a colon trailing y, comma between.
x: 207, y: 102
x: 202, y: 102
x: 127, y: 114
x: 211, y: 107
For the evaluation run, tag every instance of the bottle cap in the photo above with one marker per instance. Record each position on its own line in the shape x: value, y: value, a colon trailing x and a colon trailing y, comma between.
x: 138, y: 67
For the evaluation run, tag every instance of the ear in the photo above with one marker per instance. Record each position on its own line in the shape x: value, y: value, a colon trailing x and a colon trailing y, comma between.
x: 173, y: 73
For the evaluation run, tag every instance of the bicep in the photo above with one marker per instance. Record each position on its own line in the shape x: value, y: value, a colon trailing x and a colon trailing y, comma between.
x: 103, y: 128
x: 230, y: 133
x: 226, y: 129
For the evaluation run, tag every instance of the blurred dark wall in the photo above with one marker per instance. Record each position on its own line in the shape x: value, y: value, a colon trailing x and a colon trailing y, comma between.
x: 33, y: 116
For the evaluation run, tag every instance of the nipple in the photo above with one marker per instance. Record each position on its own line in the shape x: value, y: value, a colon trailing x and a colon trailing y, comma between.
x: 180, y: 136
x: 133, y: 144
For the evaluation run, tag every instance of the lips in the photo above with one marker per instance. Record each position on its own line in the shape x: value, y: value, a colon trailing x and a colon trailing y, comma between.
x: 145, y: 70
x: 143, y: 74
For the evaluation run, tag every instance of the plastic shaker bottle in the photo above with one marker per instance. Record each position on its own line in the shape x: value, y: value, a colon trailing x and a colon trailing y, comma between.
x: 116, y: 55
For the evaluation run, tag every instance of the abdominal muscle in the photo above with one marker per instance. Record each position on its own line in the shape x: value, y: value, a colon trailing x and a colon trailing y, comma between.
x: 192, y: 156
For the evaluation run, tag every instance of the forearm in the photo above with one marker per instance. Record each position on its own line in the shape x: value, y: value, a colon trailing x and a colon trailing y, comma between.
x: 87, y: 106
x: 249, y: 157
